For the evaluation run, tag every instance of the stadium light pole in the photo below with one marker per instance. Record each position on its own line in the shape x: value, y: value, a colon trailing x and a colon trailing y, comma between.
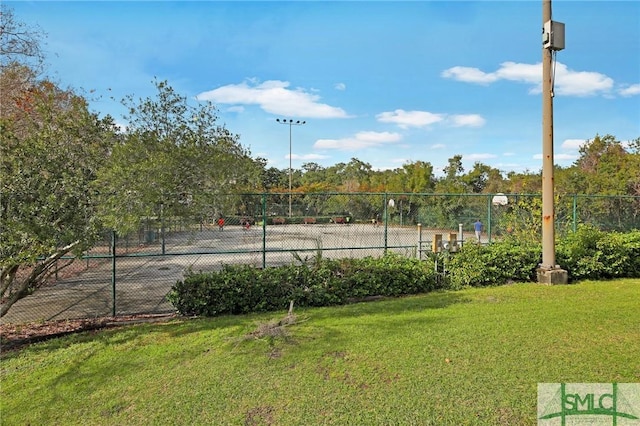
x: 291, y: 123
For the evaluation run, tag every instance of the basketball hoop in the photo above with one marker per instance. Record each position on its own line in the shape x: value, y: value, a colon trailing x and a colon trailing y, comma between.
x: 499, y: 200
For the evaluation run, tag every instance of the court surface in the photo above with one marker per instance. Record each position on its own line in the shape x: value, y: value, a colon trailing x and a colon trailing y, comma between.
x: 144, y: 276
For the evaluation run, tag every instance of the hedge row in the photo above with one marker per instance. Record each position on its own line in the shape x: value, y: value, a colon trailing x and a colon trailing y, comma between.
x: 593, y: 254
x: 586, y: 254
x: 238, y: 289
x: 498, y: 263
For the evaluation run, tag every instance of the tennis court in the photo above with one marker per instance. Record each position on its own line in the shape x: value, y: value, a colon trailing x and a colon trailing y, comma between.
x: 144, y: 276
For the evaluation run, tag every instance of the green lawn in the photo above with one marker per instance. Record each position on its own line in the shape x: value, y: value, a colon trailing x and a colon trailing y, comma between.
x: 449, y: 358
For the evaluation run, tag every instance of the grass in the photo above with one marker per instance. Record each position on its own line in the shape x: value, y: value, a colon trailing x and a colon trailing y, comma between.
x: 449, y: 358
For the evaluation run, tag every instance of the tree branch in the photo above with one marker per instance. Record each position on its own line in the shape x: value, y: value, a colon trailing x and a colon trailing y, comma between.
x: 34, y: 280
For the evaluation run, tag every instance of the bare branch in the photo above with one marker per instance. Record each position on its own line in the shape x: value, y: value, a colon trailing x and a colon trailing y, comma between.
x: 18, y: 42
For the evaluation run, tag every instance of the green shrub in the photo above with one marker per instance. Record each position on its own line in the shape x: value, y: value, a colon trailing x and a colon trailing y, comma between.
x: 578, y: 254
x: 494, y: 264
x: 590, y: 253
x: 243, y: 289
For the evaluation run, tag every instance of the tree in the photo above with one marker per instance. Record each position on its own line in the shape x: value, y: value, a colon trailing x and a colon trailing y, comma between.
x: 314, y: 178
x: 453, y: 172
x: 608, y: 167
x: 634, y: 164
x: 482, y: 178
x: 355, y: 176
x: 51, y: 147
x: 21, y: 60
x: 606, y: 164
x: 174, y: 159
x: 272, y: 177
x: 411, y: 178
x: 19, y: 44
x: 524, y: 183
x: 419, y: 177
x: 449, y: 210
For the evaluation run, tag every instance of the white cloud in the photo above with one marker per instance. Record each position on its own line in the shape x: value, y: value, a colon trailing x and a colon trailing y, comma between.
x: 565, y: 157
x: 558, y: 157
x: 476, y: 157
x: 468, y: 75
x: 383, y: 168
x: 580, y: 83
x: 466, y: 120
x: 631, y: 90
x: 513, y: 71
x: 572, y: 144
x: 275, y: 97
x: 509, y: 166
x: 307, y: 157
x: 360, y: 141
x: 340, y: 86
x: 567, y: 82
x: 406, y: 119
x: 236, y: 109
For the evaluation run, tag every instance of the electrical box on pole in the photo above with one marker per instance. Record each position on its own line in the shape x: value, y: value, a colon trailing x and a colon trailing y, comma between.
x: 553, y: 35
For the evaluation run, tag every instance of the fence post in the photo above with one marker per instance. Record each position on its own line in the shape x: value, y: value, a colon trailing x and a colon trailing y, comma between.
x: 419, y: 253
x: 575, y: 212
x: 162, y: 227
x: 385, y: 222
x: 489, y: 216
x: 113, y: 272
x: 264, y: 231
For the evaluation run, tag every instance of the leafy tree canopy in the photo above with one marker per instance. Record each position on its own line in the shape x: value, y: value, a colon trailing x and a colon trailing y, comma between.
x: 173, y: 157
x: 51, y: 148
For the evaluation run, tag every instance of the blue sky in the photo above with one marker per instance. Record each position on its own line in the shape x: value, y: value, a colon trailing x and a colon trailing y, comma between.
x: 384, y: 82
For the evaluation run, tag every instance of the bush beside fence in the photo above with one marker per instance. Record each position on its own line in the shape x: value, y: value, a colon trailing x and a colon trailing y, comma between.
x: 589, y: 253
x: 242, y: 289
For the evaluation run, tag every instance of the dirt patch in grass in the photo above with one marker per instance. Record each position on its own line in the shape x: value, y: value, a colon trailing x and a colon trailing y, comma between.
x: 259, y: 416
x: 15, y: 336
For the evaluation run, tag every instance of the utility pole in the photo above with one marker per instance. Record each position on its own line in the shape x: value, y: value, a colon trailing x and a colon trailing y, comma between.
x: 552, y: 41
x: 290, y: 123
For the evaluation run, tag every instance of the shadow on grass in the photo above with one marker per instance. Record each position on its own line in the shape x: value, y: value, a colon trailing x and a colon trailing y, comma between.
x: 181, y: 326
x: 96, y: 358
x: 330, y: 329
x: 390, y: 306
x: 398, y: 314
x: 113, y: 332
x: 322, y: 335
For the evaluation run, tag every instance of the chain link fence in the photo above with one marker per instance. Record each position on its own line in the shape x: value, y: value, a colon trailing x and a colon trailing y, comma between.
x: 131, y: 274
